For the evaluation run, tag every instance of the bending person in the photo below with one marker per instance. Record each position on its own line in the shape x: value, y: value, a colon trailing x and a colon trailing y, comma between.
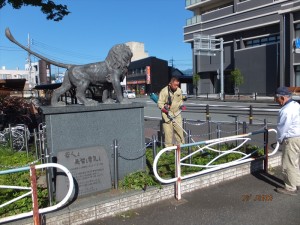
x: 170, y: 102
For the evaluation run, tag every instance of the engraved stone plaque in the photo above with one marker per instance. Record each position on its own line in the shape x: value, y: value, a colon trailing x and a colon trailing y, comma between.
x: 89, y: 168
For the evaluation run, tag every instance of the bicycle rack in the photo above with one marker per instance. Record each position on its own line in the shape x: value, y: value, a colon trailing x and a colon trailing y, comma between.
x: 32, y: 191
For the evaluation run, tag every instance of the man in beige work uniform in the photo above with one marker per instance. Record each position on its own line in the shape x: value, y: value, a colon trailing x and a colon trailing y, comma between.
x: 170, y: 103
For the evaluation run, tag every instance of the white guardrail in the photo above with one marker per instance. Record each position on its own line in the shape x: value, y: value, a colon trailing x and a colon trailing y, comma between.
x: 32, y: 191
x: 207, y: 145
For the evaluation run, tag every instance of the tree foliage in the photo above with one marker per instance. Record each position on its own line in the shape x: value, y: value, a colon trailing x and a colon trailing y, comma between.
x: 53, y: 11
x: 196, y: 79
x: 237, y: 77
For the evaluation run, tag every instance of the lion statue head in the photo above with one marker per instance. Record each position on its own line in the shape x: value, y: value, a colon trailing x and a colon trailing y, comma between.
x: 119, y: 57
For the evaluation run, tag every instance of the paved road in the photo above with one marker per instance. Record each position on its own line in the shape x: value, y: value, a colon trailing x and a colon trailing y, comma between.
x: 192, y: 113
x: 247, y: 200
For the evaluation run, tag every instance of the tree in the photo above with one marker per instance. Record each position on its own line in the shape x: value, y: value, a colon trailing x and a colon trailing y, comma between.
x: 237, y: 78
x: 53, y: 11
x: 196, y: 79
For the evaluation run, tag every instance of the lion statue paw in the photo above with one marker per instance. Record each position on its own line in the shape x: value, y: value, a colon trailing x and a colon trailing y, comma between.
x: 91, y: 103
x: 58, y: 104
x: 109, y: 101
x: 125, y: 101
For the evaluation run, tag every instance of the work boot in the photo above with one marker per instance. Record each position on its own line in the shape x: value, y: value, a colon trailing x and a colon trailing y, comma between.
x: 286, y: 192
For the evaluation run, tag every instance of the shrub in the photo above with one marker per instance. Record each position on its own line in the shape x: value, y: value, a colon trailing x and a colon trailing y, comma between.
x: 11, y: 159
x: 166, y: 166
x: 18, y: 110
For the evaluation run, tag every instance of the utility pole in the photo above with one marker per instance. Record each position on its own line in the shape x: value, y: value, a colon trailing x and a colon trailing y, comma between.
x: 172, y: 62
x: 222, y: 68
x: 29, y: 62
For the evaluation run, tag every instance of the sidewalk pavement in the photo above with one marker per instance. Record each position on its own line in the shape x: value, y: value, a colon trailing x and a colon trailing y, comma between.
x: 247, y: 200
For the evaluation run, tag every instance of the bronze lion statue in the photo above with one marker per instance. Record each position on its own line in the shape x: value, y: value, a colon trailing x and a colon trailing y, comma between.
x: 107, y: 73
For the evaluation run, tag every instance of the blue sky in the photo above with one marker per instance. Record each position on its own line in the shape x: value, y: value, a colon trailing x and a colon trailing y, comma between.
x: 93, y: 27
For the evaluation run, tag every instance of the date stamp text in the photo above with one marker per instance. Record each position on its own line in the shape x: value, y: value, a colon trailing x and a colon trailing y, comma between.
x: 257, y: 197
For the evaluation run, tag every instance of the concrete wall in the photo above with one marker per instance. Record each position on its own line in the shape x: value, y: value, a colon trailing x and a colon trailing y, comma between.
x: 259, y: 67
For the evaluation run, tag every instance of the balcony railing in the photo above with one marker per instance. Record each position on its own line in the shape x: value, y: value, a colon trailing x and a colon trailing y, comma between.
x: 192, y: 2
x: 193, y: 20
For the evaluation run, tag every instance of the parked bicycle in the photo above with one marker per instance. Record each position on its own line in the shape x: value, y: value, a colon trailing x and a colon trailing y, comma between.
x: 14, y: 137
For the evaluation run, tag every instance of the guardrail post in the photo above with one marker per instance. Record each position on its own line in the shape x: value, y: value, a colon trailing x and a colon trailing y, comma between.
x: 26, y: 139
x: 209, y: 129
x: 49, y: 178
x: 178, y: 173
x: 42, y: 153
x: 189, y: 139
x: 10, y: 136
x: 244, y: 127
x: 184, y: 124
x: 244, y: 132
x: 237, y: 125
x: 35, y: 143
x: 266, y: 141
x: 251, y: 114
x: 154, y: 141
x: 35, y: 206
x: 218, y: 131
x: 116, y: 166
x: 207, y: 113
x: 236, y: 121
x: 161, y: 133
x: 218, y: 134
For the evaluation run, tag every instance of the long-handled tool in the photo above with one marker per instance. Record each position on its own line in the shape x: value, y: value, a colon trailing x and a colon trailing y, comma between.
x: 154, y: 97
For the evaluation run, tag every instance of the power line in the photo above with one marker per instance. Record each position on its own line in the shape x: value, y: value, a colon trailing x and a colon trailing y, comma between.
x: 10, y: 49
x: 61, y: 51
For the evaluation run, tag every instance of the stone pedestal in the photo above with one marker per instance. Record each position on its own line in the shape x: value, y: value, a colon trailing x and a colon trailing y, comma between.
x: 80, y: 127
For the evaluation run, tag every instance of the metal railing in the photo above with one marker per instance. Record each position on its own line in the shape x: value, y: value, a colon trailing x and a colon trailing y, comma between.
x: 250, y: 110
x: 192, y: 2
x: 33, y: 192
x: 209, y: 167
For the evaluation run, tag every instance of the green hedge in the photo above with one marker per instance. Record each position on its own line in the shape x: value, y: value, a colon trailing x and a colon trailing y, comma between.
x: 8, y: 160
x: 166, y: 165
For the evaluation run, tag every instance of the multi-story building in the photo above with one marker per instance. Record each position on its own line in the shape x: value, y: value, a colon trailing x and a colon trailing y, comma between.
x: 261, y: 38
x: 38, y: 73
x: 147, y: 75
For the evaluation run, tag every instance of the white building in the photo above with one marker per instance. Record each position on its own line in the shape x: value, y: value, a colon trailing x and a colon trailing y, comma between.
x: 138, y: 51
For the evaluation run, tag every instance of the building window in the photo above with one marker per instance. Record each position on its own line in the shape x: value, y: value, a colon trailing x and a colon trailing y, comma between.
x: 256, y: 42
x: 262, y: 41
x: 272, y: 39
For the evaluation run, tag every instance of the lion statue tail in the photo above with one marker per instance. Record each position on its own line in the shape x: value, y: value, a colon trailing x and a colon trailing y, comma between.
x: 12, y: 39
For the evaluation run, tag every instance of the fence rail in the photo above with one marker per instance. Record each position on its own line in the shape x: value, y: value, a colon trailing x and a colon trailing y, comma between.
x: 208, y: 145
x: 33, y: 192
